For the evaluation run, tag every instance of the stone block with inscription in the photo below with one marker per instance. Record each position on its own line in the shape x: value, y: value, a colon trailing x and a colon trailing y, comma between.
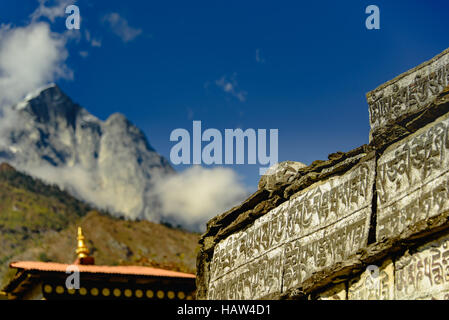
x: 317, y: 228
x: 408, y: 93
x: 376, y: 283
x: 258, y: 279
x: 424, y: 274
x: 413, y: 180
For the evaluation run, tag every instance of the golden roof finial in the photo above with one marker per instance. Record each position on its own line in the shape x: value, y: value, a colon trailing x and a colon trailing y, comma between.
x: 81, y: 251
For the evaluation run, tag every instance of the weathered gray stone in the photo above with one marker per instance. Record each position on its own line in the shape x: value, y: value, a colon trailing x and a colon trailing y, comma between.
x: 320, y: 226
x: 408, y: 94
x: 376, y: 283
x: 413, y: 180
x: 257, y: 279
x: 280, y: 174
x: 403, y: 127
x: 425, y: 273
x: 263, y: 201
x: 324, y: 248
x: 267, y: 233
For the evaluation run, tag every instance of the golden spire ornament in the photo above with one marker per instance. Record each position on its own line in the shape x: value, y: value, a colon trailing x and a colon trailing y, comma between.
x: 82, y: 252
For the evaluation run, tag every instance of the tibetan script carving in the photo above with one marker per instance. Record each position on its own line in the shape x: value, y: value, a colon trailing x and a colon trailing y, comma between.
x: 408, y: 93
x: 255, y: 280
x: 424, y: 274
x: 328, y: 246
x: 319, y: 226
x: 413, y: 179
x: 376, y: 283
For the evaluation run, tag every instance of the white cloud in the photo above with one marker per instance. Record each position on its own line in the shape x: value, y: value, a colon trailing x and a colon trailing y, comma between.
x: 231, y: 87
x: 52, y: 9
x: 190, y: 198
x: 9, y: 120
x: 78, y: 181
x: 120, y: 27
x: 196, y: 195
x: 56, y: 9
x: 30, y: 57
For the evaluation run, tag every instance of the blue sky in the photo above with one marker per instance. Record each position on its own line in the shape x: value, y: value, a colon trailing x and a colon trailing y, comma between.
x: 300, y: 67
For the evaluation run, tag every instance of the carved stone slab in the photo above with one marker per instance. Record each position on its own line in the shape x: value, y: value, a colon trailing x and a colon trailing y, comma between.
x: 255, y: 280
x: 412, y: 179
x: 318, y: 227
x: 265, y: 234
x: 376, y: 283
x: 408, y: 93
x: 324, y: 248
x: 425, y: 273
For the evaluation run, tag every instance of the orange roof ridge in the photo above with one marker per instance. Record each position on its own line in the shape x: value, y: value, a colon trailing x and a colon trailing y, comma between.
x: 125, y: 270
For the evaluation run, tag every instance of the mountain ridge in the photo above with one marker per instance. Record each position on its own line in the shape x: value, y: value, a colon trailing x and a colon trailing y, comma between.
x: 110, y: 164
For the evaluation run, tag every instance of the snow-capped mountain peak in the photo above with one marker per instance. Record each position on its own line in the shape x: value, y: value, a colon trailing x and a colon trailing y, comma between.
x: 108, y: 163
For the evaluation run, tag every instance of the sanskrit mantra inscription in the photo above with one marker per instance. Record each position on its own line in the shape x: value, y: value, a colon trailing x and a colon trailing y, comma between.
x: 255, y: 280
x: 424, y: 274
x: 373, y: 284
x: 311, y: 210
x: 318, y: 227
x: 412, y: 180
x: 326, y: 247
x: 410, y: 93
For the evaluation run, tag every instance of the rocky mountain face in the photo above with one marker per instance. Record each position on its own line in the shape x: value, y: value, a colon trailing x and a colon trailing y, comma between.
x: 109, y: 164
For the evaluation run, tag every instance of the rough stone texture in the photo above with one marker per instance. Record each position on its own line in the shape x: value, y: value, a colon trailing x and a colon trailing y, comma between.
x: 317, y: 227
x: 324, y: 249
x: 262, y: 201
x: 376, y: 283
x: 258, y: 279
x: 424, y: 274
x: 407, y: 125
x: 280, y: 174
x: 413, y: 180
x: 409, y: 93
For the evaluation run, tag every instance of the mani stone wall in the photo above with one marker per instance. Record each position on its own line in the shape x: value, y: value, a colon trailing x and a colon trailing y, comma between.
x: 371, y: 223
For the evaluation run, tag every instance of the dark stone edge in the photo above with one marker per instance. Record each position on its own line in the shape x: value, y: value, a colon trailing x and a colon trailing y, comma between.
x: 409, y: 123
